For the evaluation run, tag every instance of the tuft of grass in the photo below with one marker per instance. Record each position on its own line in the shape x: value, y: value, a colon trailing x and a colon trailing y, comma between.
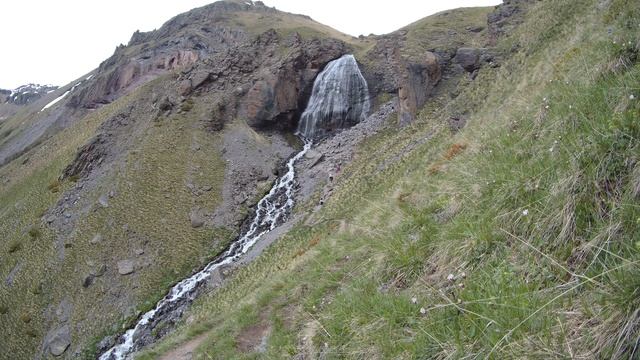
x: 14, y: 246
x: 35, y: 232
x: 54, y: 186
x: 25, y: 318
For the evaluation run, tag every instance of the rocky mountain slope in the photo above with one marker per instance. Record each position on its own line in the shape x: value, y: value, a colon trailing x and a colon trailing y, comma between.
x: 487, y: 207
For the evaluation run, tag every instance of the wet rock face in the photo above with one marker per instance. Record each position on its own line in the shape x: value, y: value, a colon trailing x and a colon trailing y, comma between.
x: 340, y: 99
x: 278, y: 97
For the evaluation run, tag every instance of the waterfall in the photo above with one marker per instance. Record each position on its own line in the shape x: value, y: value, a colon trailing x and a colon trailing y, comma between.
x: 339, y: 99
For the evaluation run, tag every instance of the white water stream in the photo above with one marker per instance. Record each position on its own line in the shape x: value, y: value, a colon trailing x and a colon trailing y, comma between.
x: 339, y: 98
x: 271, y: 211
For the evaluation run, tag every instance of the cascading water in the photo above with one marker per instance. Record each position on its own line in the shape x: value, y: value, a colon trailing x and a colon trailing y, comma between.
x: 270, y: 212
x: 339, y: 98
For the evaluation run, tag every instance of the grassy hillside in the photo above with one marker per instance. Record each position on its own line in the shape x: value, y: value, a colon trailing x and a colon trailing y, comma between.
x: 518, y: 237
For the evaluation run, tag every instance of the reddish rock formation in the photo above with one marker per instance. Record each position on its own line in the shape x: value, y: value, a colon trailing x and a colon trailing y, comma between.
x: 278, y: 97
x: 417, y: 80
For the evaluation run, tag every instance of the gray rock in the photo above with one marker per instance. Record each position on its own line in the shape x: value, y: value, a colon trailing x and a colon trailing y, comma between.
x: 456, y: 123
x: 475, y: 29
x: 468, y: 58
x: 106, y: 343
x: 88, y: 281
x: 60, y: 341
x: 63, y: 312
x: 125, y: 267
x: 96, y: 239
x: 185, y: 87
x: 200, y: 78
x: 103, y: 201
x: 139, y: 251
x: 196, y: 220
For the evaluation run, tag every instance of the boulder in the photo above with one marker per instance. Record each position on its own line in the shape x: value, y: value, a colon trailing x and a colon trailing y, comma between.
x: 196, y: 220
x: 199, y: 78
x: 126, y: 267
x: 468, y: 58
x: 60, y: 341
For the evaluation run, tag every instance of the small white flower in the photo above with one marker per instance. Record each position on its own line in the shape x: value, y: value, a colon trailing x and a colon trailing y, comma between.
x: 525, y: 212
x: 631, y: 97
x: 546, y: 107
x: 544, y: 99
x: 451, y: 277
x: 414, y: 300
x: 463, y: 275
x: 570, y: 107
x: 461, y: 285
x: 423, y: 311
x: 551, y: 149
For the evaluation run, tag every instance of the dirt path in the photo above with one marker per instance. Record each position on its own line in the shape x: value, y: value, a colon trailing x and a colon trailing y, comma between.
x: 185, y: 350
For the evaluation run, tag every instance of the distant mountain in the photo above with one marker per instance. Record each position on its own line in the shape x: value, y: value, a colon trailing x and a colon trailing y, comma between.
x: 25, y: 94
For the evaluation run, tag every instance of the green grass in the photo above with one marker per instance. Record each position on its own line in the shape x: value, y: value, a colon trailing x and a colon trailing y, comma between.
x: 535, y: 201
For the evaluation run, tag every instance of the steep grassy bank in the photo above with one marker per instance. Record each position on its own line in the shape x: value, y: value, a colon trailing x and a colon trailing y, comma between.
x: 514, y: 238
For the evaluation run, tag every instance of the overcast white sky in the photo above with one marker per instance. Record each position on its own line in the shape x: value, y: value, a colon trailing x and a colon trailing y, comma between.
x: 54, y: 42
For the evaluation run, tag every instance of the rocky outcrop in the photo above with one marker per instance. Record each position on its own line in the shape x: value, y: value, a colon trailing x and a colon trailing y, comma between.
x: 110, y: 83
x: 417, y: 82
x: 278, y: 96
x: 413, y: 79
x: 505, y: 18
x: 468, y: 58
x: 178, y: 44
